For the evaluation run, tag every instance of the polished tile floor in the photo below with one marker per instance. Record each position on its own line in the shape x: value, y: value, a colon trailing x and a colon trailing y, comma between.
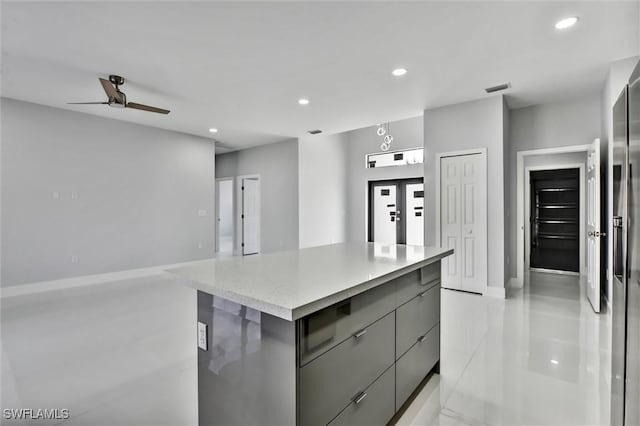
x: 122, y: 353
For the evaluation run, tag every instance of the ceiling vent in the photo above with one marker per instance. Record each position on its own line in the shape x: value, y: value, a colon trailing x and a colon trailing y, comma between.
x: 314, y: 132
x: 498, y: 88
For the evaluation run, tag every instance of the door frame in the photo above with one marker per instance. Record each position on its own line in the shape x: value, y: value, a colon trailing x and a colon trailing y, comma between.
x: 370, y: 211
x: 581, y: 208
x: 483, y: 156
x: 518, y: 281
x: 238, y: 216
x: 217, y: 213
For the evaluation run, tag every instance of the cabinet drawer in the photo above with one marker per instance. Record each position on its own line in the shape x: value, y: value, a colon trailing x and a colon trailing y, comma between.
x: 374, y: 406
x: 416, y: 317
x: 325, y: 329
x: 414, y: 365
x: 416, y: 282
x: 330, y: 382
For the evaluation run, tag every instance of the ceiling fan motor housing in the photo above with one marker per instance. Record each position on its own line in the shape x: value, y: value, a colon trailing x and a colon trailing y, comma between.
x: 116, y: 79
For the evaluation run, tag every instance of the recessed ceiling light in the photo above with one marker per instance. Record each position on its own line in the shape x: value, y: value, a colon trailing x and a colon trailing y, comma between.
x: 303, y: 101
x: 555, y: 362
x: 213, y: 130
x: 399, y: 72
x: 566, y: 22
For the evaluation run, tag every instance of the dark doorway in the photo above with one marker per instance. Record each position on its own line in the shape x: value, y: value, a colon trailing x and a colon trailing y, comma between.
x: 555, y: 220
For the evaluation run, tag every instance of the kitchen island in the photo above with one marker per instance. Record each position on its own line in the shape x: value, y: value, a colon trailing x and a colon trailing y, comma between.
x: 338, y: 334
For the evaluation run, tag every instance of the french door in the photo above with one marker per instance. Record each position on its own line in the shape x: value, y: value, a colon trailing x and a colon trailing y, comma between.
x: 396, y: 211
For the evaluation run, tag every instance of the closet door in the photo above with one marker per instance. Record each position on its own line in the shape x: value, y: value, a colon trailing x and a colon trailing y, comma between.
x: 473, y: 241
x: 463, y: 221
x: 450, y: 223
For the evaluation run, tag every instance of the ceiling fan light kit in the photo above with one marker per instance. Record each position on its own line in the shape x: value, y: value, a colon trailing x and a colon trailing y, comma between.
x: 117, y: 99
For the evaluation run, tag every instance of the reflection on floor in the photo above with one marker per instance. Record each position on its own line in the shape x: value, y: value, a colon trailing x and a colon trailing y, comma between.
x: 540, y: 357
x: 123, y: 353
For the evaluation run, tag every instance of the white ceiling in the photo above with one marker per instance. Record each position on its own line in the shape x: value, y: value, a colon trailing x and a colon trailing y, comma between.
x: 241, y: 67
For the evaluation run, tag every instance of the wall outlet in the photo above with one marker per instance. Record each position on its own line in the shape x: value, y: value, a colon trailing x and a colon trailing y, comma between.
x: 202, y: 336
x: 55, y: 195
x: 202, y: 213
x: 74, y: 258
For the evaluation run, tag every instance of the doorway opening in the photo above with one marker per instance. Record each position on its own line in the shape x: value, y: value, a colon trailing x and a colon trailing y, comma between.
x: 224, y: 215
x: 396, y: 211
x: 554, y: 220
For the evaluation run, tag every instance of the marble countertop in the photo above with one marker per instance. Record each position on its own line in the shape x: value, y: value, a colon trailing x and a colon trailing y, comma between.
x: 295, y: 283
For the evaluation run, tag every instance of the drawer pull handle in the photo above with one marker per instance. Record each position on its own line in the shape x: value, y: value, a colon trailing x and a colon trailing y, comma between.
x: 360, y: 333
x: 423, y: 293
x: 422, y: 338
x: 361, y: 396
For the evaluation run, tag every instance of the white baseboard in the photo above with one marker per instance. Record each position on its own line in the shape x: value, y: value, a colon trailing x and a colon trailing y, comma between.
x: 497, y: 292
x: 88, y: 280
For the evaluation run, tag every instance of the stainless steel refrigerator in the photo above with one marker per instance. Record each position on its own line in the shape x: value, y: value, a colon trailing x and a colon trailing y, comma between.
x: 625, y: 384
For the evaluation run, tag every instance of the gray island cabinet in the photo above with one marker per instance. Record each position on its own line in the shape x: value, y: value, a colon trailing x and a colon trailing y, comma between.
x: 340, y: 334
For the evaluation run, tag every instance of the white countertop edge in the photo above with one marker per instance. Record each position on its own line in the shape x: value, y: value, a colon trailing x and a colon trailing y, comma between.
x: 292, y: 314
x: 320, y: 304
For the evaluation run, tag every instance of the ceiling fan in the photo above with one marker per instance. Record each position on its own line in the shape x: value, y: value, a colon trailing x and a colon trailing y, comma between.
x: 117, y: 99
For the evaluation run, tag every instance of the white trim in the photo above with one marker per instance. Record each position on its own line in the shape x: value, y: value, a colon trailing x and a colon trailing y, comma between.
x: 497, y: 292
x: 89, y: 280
x: 582, y: 209
x: 520, y: 197
x: 217, y: 210
x: 438, y: 158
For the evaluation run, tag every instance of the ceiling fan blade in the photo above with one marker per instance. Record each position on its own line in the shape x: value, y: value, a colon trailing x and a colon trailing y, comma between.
x: 147, y: 108
x: 87, y: 103
x: 109, y: 89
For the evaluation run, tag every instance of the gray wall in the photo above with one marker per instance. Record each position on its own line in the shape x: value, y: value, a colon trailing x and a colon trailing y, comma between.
x: 138, y: 190
x: 407, y: 134
x: 470, y: 125
x: 575, y: 122
x: 322, y: 191
x: 277, y: 165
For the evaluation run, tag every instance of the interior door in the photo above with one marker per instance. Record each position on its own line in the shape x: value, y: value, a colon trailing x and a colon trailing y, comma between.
x: 450, y: 223
x: 473, y: 198
x: 463, y: 221
x: 250, y: 216
x: 385, y: 207
x: 593, y: 225
x: 414, y: 214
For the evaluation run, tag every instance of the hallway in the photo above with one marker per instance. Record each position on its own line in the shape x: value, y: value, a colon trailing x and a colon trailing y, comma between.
x: 540, y: 357
x: 123, y: 353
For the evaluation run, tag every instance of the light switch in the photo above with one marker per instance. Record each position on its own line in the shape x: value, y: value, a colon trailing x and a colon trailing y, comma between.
x: 202, y: 336
x: 74, y: 195
x: 74, y: 258
x: 202, y: 213
x: 55, y: 195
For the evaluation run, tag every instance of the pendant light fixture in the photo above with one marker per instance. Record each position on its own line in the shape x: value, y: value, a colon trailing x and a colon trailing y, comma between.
x: 383, y: 131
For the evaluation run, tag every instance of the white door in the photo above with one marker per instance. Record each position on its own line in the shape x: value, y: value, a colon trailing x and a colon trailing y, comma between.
x: 593, y: 225
x: 250, y: 216
x: 463, y: 221
x: 384, y: 208
x: 414, y: 214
